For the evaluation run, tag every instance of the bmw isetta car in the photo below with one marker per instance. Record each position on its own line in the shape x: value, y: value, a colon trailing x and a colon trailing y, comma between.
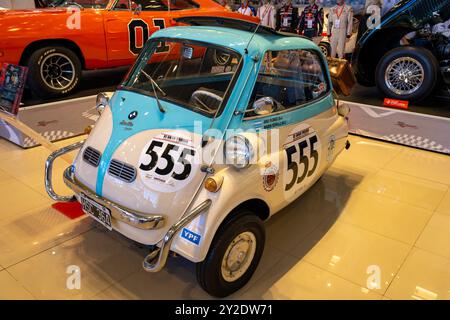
x: 204, y: 141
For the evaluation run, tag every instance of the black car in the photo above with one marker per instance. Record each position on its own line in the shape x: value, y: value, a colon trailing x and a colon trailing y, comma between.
x: 403, y: 56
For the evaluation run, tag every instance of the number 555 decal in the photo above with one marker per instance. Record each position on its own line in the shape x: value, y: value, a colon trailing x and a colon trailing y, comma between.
x: 139, y: 24
x: 167, y: 163
x: 302, y: 155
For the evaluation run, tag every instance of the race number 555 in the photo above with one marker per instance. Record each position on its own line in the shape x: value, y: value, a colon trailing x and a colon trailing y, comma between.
x: 163, y: 163
x: 307, y: 160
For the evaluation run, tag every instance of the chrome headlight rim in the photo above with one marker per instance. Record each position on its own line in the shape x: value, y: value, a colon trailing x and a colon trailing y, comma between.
x: 101, y: 102
x: 248, y: 152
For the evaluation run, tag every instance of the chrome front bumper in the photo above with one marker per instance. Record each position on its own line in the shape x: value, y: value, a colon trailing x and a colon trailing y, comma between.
x: 157, y: 258
x: 136, y: 219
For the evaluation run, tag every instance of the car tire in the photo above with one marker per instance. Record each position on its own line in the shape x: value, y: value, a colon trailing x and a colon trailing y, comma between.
x: 245, y: 231
x: 420, y: 66
x: 53, y: 72
x: 325, y: 47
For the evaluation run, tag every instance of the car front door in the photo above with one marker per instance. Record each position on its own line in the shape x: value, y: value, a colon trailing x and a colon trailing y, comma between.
x: 129, y: 24
x: 297, y: 83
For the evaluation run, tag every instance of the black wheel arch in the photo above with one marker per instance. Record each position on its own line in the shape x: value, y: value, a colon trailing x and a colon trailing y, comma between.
x: 259, y: 207
x: 36, y: 45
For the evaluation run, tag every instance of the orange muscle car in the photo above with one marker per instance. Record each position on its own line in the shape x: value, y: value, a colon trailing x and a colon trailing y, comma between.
x: 58, y: 43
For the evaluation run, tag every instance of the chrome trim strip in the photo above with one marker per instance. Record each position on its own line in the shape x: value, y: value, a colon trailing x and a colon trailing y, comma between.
x: 49, y: 168
x: 157, y: 258
x: 135, y: 219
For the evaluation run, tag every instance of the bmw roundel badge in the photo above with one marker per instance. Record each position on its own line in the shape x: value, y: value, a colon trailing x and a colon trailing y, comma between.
x: 132, y: 115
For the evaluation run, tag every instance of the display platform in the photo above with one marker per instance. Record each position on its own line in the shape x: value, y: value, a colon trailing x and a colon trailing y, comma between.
x: 54, y: 120
x: 403, y: 127
x: 424, y: 125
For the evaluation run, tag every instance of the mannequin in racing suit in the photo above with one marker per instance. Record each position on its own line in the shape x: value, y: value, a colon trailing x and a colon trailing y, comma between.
x: 267, y: 14
x: 245, y: 9
x: 311, y: 20
x: 287, y: 18
x: 340, y: 25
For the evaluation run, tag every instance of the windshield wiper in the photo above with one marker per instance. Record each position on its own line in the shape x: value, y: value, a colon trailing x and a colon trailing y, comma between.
x: 154, y: 86
x: 149, y: 77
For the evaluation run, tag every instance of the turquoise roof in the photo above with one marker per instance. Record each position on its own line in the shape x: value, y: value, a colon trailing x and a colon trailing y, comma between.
x: 236, y: 39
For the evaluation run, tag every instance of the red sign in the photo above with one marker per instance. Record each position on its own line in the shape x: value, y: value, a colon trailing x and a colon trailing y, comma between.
x: 394, y: 103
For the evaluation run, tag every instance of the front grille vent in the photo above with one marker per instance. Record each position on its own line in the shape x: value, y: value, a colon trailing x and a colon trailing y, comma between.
x: 92, y: 156
x: 122, y: 171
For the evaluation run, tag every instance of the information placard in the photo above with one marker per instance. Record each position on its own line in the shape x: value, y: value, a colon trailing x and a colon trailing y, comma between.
x: 12, y: 83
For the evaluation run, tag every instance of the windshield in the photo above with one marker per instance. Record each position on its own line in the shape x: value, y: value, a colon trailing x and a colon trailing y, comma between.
x: 195, y: 75
x: 97, y: 4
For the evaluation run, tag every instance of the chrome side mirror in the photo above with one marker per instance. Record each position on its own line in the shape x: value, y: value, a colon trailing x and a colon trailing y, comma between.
x: 264, y: 106
x: 138, y: 10
x: 102, y: 101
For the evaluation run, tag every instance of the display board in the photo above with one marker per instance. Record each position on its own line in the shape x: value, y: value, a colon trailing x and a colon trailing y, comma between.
x: 403, y: 127
x: 53, y: 121
x: 12, y: 83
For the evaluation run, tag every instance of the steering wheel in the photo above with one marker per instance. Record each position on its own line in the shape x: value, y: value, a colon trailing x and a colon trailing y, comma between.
x: 206, y: 100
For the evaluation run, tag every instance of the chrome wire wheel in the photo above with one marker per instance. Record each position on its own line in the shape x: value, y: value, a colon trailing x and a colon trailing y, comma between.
x: 238, y: 256
x: 57, y: 71
x: 404, y: 76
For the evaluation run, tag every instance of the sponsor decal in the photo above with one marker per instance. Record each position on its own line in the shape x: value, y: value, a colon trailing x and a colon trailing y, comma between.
x: 274, y: 122
x: 190, y: 236
x: 270, y: 176
x: 405, y: 125
x: 394, y: 103
x: 46, y: 123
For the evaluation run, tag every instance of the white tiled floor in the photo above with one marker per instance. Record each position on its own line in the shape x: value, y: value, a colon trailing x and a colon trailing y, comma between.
x: 380, y: 207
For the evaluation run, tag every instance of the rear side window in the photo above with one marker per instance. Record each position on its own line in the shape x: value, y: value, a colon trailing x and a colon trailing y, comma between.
x: 291, y: 78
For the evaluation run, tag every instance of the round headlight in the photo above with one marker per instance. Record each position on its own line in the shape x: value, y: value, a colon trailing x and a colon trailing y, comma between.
x: 343, y: 109
x: 101, y: 102
x: 238, y: 151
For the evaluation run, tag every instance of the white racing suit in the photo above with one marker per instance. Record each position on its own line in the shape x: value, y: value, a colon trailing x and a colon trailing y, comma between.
x: 340, y: 25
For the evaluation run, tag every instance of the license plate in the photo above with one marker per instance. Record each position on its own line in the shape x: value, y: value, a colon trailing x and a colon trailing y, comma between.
x: 96, y: 211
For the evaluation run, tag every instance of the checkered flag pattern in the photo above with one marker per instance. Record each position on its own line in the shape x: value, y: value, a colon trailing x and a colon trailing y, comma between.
x: 416, y: 141
x: 49, y: 135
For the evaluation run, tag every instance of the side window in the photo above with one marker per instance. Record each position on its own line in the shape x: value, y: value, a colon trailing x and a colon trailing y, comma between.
x: 163, y: 5
x: 122, y: 5
x: 291, y: 78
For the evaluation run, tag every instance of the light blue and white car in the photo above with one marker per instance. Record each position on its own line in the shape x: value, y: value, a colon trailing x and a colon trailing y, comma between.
x: 216, y: 127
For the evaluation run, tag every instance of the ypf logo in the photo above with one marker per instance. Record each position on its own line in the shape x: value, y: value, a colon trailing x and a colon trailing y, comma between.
x: 132, y: 115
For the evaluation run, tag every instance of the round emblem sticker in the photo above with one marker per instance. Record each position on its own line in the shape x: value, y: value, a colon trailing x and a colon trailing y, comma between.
x: 167, y: 162
x: 270, y: 177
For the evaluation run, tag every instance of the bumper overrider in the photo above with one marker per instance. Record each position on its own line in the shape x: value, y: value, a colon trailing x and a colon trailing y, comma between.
x: 157, y: 258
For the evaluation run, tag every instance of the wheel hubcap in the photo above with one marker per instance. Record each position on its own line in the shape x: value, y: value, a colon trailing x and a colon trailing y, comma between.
x: 404, y: 75
x: 238, y: 256
x: 57, y: 71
